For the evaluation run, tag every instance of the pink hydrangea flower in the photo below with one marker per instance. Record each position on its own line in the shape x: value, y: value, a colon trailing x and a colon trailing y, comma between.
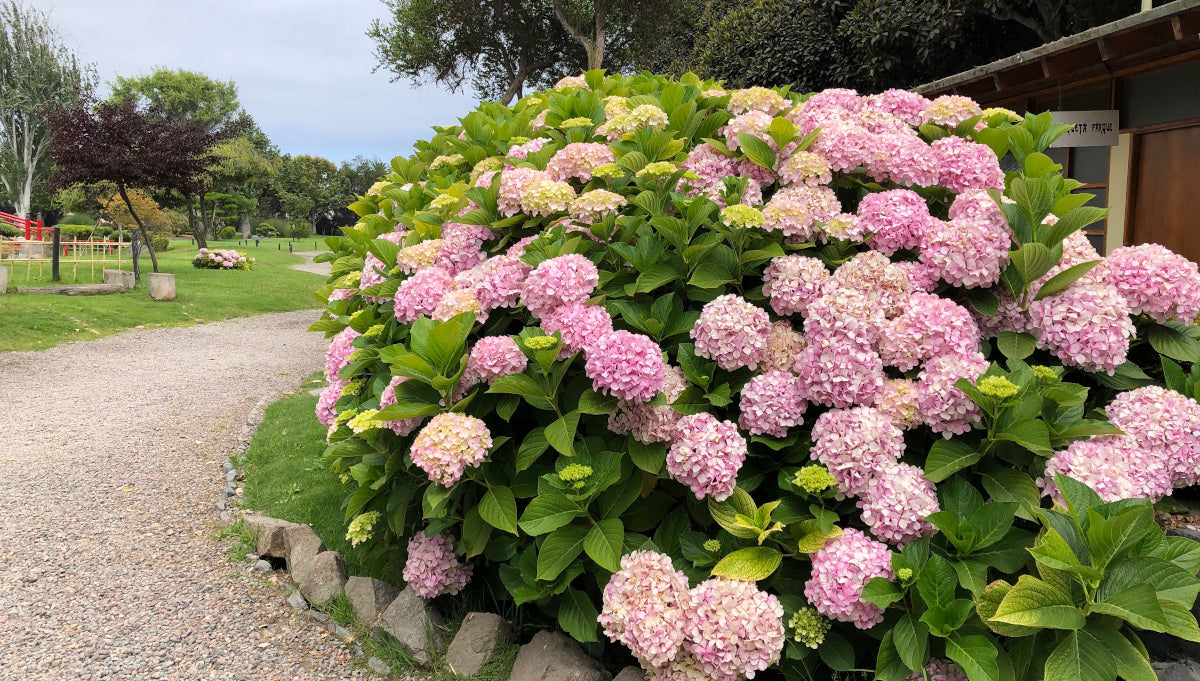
x: 753, y: 122
x: 896, y: 504
x: 558, y: 281
x: 733, y: 629
x: 326, y: 411
x: 805, y: 167
x: 1155, y: 282
x: 977, y: 205
x: 844, y: 314
x: 1009, y: 316
x: 771, y: 403
x: 900, y: 158
x: 877, y: 278
x: 579, y: 325
x: 938, y: 670
x: 1164, y: 422
x: 897, y: 219
x: 950, y: 110
x: 338, y: 354
x: 965, y: 253
x: 796, y: 210
x: 928, y: 326
x: 593, y: 206
x: 432, y: 568
x: 899, y: 403
x: 920, y: 276
x: 448, y: 444
x: 645, y: 605
x: 967, y: 165
x: 628, y: 366
x: 840, y: 373
x: 497, y: 281
x: 842, y: 227
x: 856, y: 445
x: 945, y: 408
x: 496, y: 356
x: 845, y: 145
x: 650, y: 424
x: 793, y: 282
x: 1114, y: 466
x: 706, y: 455
x: 374, y: 272
x: 513, y: 182
x: 907, y: 106
x: 457, y: 302
x: 783, y: 347
x: 1086, y: 326
x: 523, y: 150
x: 577, y: 161
x: 461, y: 247
x: 840, y: 570
x: 731, y: 331
x: 420, y: 294
x: 388, y: 398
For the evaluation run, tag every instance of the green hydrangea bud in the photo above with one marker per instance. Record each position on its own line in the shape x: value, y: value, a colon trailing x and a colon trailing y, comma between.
x: 575, y: 472
x: 345, y: 416
x: 712, y: 545
x: 904, y: 574
x: 441, y: 161
x: 608, y: 171
x: 998, y: 386
x: 361, y: 528
x: 540, y: 342
x: 577, y: 122
x: 354, y: 386
x: 814, y: 479
x: 443, y: 201
x: 364, y: 421
x: 809, y: 627
x: 742, y: 216
x: 658, y: 169
x: 518, y: 140
x: 1044, y: 373
x: 374, y: 331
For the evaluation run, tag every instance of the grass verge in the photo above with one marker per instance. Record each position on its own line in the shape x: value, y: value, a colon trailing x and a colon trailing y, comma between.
x: 35, y: 322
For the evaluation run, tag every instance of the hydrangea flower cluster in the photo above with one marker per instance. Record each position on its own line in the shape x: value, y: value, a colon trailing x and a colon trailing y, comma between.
x: 628, y: 366
x: 840, y: 570
x: 721, y: 629
x: 387, y: 399
x: 706, y: 455
x: 222, y: 260
x: 649, y: 424
x: 448, y: 444
x: 432, y: 568
x: 732, y: 331
x: 495, y: 356
x: 559, y: 281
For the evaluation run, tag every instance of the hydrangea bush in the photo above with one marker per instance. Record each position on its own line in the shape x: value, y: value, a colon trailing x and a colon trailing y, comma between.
x: 750, y: 380
x: 222, y: 260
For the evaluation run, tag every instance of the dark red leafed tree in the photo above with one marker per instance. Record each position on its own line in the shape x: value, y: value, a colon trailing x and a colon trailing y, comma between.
x: 133, y: 147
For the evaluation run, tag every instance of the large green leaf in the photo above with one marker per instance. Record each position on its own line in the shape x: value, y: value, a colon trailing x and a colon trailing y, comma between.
x: 1171, y: 339
x: 475, y: 533
x: 531, y: 448
x: 561, y: 433
x: 1132, y: 664
x: 1108, y: 538
x: 1035, y: 603
x: 750, y: 564
x: 499, y: 509
x: 947, y: 457
x: 548, y: 512
x: 757, y: 150
x: 1031, y: 434
x: 1137, y: 605
x: 911, y: 638
x: 526, y: 387
x: 1063, y: 279
x: 1170, y: 582
x: 988, y: 600
x: 1080, y: 657
x: 603, y: 543
x: 577, y: 616
x: 559, y: 550
x: 975, y: 655
x: 1016, y: 345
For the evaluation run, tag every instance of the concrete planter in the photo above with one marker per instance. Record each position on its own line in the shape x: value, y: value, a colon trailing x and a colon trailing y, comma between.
x: 162, y: 286
x: 120, y: 277
x: 3, y: 280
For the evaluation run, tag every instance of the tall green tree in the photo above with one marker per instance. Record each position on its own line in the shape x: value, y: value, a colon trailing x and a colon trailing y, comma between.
x: 38, y: 73
x: 235, y: 181
x: 310, y: 187
x: 193, y: 99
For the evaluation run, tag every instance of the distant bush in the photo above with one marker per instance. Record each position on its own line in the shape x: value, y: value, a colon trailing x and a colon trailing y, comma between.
x: 9, y: 231
x: 266, y: 230
x: 300, y: 230
x: 227, y: 233
x: 78, y: 219
x: 75, y: 232
x: 160, y: 243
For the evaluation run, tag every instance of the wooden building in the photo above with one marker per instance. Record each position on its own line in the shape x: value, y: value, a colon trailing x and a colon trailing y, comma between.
x: 1147, y: 68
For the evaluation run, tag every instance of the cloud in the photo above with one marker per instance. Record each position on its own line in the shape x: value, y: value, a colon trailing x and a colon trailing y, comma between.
x: 302, y: 67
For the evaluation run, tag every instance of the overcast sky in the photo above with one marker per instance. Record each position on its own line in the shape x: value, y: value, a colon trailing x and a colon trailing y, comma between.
x: 302, y: 67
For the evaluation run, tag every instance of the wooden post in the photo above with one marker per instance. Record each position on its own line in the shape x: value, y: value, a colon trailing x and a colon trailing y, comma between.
x: 54, y: 263
x: 3, y: 280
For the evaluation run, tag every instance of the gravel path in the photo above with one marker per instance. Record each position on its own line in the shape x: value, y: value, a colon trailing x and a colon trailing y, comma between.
x: 110, y: 467
x: 309, y: 266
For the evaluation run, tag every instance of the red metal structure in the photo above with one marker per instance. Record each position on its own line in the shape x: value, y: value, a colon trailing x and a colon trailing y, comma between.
x: 32, y: 227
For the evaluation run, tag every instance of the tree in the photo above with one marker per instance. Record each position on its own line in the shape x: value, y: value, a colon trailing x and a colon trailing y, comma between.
x: 157, y: 221
x: 497, y: 46
x: 360, y: 173
x: 132, y: 146
x: 310, y: 187
x: 235, y: 181
x: 192, y: 99
x: 37, y: 73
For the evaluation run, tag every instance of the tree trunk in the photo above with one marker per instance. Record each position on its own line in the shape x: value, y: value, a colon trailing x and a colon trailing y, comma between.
x: 200, y: 229
x: 244, y: 225
x: 141, y: 227
x: 197, y: 230
x: 514, y: 88
x: 594, y: 48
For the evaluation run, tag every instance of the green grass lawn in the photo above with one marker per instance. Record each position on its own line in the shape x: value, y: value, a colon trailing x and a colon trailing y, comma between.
x: 34, y: 322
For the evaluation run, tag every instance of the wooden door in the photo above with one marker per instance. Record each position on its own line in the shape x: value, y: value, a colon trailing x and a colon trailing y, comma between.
x: 1165, y: 196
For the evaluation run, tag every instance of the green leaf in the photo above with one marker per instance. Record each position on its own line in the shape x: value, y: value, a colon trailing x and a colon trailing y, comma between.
x: 526, y: 387
x: 911, y: 638
x: 991, y: 522
x: 603, y: 543
x: 1033, y: 260
x: 577, y: 616
x: 548, y: 512
x: 592, y: 402
x: 837, y: 652
x: 888, y: 666
x: 1079, y: 497
x: 988, y: 600
x: 946, y: 457
x: 531, y: 448
x: 1137, y: 605
x: 881, y: 591
x: 1131, y: 663
x: 1080, y: 657
x: 475, y: 533
x: 649, y: 458
x: 1035, y: 603
x: 937, y: 581
x: 1009, y: 484
x: 710, y: 275
x: 1172, y: 340
x: 1064, y: 279
x: 1016, y: 345
x: 756, y: 150
x: 1170, y: 582
x: 499, y: 509
x: 1182, y: 622
x: 561, y: 433
x: 1031, y: 434
x: 1110, y: 537
x: 749, y: 564
x: 559, y: 550
x: 975, y: 655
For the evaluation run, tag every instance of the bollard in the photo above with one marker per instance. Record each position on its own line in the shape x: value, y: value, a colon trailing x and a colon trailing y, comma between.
x: 279, y: 247
x: 289, y: 247
x: 54, y: 263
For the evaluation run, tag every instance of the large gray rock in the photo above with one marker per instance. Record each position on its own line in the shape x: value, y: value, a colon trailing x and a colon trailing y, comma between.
x: 303, y: 545
x: 476, y: 642
x: 370, y: 597
x: 1187, y: 670
x: 552, y: 656
x: 270, y: 534
x: 631, y: 674
x: 415, y: 626
x: 325, y: 578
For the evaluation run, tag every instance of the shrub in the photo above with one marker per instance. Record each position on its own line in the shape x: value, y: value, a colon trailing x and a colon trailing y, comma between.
x: 221, y: 260
x: 160, y: 243
x: 300, y: 230
x: 78, y: 219
x: 73, y: 232
x: 227, y: 233
x: 7, y: 230
x: 749, y: 379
